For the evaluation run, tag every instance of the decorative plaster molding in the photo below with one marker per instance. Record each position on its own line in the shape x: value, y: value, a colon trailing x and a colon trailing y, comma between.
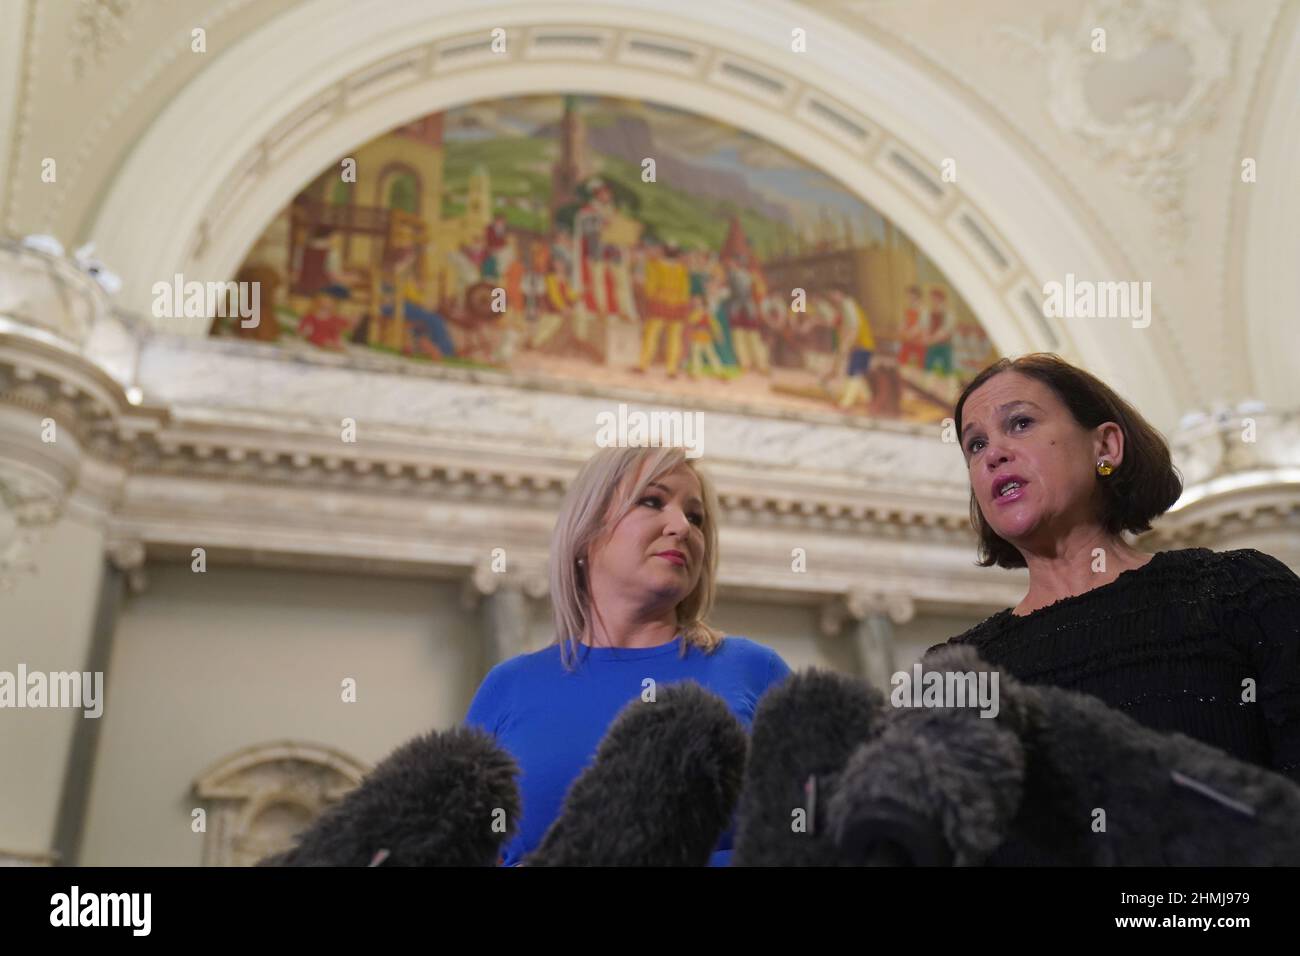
x: 1265, y: 315
x: 98, y: 27
x: 1241, y: 473
x: 91, y: 142
x: 28, y: 857
x: 45, y: 292
x: 30, y: 504
x: 1224, y: 441
x: 55, y: 300
x: 22, y: 116
x: 260, y: 797
x: 1152, y: 144
x: 1232, y: 245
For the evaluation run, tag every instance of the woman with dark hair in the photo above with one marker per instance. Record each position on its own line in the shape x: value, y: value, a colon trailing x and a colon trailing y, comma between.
x: 1203, y: 643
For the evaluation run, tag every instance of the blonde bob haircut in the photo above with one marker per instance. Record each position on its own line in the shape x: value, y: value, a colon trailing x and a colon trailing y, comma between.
x: 582, y: 522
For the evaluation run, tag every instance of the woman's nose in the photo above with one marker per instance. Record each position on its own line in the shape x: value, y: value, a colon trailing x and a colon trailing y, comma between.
x: 676, y: 522
x: 995, y: 458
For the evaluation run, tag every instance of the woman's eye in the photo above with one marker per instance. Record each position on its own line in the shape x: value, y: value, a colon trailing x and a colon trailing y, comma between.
x: 697, y: 520
x: 975, y: 445
x: 1017, y: 422
x: 652, y: 501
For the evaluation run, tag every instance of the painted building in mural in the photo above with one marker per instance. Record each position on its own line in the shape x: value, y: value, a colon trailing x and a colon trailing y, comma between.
x: 616, y: 242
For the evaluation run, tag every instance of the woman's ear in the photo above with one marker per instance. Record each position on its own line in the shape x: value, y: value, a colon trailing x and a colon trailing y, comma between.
x: 1110, y: 443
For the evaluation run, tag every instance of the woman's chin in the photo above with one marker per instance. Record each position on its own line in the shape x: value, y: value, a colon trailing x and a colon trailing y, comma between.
x: 668, y: 592
x: 1013, y: 528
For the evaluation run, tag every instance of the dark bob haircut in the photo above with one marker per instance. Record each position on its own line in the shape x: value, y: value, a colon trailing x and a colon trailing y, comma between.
x: 1144, y: 487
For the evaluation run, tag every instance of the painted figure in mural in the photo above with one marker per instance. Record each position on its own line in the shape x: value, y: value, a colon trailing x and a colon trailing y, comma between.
x: 561, y: 252
x: 490, y: 267
x: 782, y: 331
x: 822, y: 340
x: 742, y: 312
x: 513, y: 326
x: 667, y: 294
x: 534, y: 291
x: 464, y: 270
x: 512, y: 332
x: 588, y: 225
x: 427, y: 332
x: 697, y: 270
x: 557, y: 303
x: 476, y: 251
x: 912, y: 330
x: 702, y: 328
x: 319, y: 264
x: 512, y: 276
x: 424, y: 329
x: 495, y: 235
x: 785, y: 328
x: 970, y: 348
x: 619, y: 300
x: 938, y: 350
x: 759, y: 294
x: 860, y: 344
x: 717, y: 293
x: 324, y: 326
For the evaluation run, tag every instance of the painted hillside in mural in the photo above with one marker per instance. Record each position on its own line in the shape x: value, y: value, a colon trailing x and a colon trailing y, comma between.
x: 617, y: 242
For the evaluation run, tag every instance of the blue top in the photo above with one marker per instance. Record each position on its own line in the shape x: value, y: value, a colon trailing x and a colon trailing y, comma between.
x: 552, y: 720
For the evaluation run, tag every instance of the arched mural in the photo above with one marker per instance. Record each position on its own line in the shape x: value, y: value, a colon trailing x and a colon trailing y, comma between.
x: 617, y: 242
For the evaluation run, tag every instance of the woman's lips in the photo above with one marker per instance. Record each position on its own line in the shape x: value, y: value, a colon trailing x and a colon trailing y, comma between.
x: 1009, y: 498
x: 676, y: 559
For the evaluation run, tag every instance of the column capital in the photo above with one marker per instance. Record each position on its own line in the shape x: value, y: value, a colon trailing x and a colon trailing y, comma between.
x: 128, y: 556
x: 861, y: 602
x: 494, y: 572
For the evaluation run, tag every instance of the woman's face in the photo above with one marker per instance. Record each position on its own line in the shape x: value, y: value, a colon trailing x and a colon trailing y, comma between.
x: 655, y: 554
x: 1032, y: 466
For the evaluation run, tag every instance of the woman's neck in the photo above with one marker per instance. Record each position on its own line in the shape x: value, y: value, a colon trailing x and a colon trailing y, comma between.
x: 1069, y: 568
x: 628, y: 629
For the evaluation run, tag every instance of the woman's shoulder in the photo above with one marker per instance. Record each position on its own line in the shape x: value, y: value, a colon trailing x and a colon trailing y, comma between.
x: 507, y: 682
x: 735, y: 644
x: 1257, y: 585
x: 521, y: 666
x: 981, y: 633
x: 744, y: 650
x: 1229, y: 573
x: 1249, y: 562
x: 735, y: 647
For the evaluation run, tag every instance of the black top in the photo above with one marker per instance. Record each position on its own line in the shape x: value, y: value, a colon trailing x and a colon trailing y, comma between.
x: 1170, y: 644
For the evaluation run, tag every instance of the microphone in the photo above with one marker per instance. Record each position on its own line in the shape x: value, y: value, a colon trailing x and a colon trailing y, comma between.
x: 805, y: 730
x: 1055, y: 778
x: 1168, y: 800
x: 939, y: 786
x: 443, y: 799
x: 660, y: 791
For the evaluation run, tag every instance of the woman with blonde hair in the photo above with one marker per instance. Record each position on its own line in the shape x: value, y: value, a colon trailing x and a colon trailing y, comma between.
x: 633, y: 570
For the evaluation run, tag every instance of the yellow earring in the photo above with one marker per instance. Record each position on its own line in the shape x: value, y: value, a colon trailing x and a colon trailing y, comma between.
x: 1104, y: 468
